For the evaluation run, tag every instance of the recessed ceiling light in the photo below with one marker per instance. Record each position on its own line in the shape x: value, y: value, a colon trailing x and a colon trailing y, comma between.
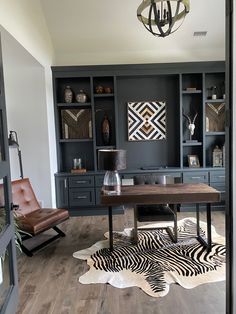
x: 200, y: 34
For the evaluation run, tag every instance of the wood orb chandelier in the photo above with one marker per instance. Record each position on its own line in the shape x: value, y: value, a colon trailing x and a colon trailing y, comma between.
x: 159, y: 17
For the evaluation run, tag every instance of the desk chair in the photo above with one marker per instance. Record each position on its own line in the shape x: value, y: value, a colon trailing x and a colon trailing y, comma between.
x: 154, y: 212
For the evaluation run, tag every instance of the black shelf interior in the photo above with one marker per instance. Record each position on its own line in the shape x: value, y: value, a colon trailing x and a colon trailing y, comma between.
x: 218, y: 80
x: 69, y: 151
x: 140, y: 87
x: 192, y: 150
x: 192, y: 80
x: 211, y: 142
x: 104, y: 82
x: 76, y: 84
x: 192, y: 104
x: 103, y: 108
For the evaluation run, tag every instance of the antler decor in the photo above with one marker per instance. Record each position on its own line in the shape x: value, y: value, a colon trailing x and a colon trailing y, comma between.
x: 191, y: 124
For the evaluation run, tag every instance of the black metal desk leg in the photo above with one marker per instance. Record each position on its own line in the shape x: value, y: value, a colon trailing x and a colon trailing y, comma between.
x: 110, y: 228
x: 197, y: 214
x: 209, y: 226
x: 135, y: 225
x: 175, y: 224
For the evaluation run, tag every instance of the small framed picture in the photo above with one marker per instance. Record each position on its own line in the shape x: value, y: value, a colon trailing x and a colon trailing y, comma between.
x: 193, y: 161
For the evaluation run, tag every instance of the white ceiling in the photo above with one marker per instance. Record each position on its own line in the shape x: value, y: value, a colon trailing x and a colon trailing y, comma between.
x: 108, y: 32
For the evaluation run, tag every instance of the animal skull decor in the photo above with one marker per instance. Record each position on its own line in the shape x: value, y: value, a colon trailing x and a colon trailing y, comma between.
x: 191, y: 124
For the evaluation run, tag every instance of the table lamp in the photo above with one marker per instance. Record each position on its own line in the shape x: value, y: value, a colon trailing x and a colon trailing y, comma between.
x: 112, y: 160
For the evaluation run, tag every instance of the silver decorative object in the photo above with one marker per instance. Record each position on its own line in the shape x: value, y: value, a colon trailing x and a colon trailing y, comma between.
x: 81, y: 97
x: 191, y: 124
x: 217, y: 157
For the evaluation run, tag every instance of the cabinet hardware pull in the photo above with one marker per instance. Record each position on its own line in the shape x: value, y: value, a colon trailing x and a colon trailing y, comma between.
x: 81, y: 197
x: 65, y: 183
x: 81, y: 181
x: 196, y: 177
x: 221, y: 176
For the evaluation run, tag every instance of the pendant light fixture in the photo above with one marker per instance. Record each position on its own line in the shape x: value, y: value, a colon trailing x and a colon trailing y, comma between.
x: 162, y: 17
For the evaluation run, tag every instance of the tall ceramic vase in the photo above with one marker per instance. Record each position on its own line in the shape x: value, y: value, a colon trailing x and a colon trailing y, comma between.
x: 106, y: 130
x: 68, y: 95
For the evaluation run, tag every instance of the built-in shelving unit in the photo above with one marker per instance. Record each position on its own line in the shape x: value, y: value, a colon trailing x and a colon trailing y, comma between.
x: 186, y: 89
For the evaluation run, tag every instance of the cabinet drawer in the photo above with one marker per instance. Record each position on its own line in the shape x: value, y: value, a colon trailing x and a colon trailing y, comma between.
x: 99, y: 180
x: 81, y: 181
x: 217, y: 176
x: 81, y: 197
x: 195, y: 177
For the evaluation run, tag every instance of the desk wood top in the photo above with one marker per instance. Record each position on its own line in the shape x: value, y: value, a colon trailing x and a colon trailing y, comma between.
x: 180, y: 193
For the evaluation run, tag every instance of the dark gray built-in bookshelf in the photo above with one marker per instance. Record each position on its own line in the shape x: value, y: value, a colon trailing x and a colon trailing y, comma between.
x: 185, y: 88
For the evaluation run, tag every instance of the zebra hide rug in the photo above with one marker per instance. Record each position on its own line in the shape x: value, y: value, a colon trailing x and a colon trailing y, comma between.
x: 156, y: 261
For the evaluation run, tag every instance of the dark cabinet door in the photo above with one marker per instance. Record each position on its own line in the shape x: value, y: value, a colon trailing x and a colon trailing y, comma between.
x: 62, y: 192
x: 8, y: 270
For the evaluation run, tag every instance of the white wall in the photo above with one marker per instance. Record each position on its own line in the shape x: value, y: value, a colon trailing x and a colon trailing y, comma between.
x: 25, y: 21
x: 27, y: 115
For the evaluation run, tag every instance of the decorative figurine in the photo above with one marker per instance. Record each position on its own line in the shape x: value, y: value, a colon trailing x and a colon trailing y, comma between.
x: 217, y: 157
x: 108, y: 90
x: 99, y: 89
x: 214, y: 92
x: 191, y: 125
x: 106, y: 130
x: 68, y: 94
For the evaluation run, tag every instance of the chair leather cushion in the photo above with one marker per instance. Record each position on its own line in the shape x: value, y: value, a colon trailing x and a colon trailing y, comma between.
x: 154, y: 213
x: 23, y: 195
x: 42, y: 219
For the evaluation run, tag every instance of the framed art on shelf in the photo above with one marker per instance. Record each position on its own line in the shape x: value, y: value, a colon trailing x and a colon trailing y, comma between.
x: 193, y: 161
x: 76, y: 123
x: 215, y: 117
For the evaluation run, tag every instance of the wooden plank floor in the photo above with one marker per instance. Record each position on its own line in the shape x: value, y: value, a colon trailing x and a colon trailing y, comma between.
x: 48, y: 282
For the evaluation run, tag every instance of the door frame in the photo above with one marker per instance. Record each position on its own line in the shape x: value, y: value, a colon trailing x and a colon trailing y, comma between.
x: 7, y: 236
x: 230, y: 225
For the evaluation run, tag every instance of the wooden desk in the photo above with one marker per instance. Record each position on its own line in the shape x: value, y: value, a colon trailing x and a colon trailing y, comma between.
x: 164, y: 194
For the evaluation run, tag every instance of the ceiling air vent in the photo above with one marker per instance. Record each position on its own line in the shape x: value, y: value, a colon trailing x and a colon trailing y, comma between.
x: 200, y: 34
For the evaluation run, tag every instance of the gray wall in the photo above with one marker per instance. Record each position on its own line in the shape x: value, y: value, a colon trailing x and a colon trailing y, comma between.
x: 160, y: 88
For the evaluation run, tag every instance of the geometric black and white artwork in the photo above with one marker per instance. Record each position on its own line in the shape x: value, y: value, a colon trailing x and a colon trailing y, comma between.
x: 146, y: 120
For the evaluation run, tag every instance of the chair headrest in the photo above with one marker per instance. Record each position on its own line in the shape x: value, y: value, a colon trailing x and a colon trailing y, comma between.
x: 23, y: 195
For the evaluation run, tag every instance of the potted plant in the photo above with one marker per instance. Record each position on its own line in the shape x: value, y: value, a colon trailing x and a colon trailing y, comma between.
x: 18, y: 233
